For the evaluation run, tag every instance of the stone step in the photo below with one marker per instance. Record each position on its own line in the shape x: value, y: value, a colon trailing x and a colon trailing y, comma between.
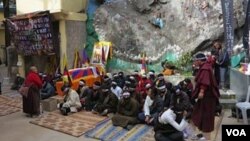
x: 228, y: 103
x: 6, y: 81
x: 227, y: 94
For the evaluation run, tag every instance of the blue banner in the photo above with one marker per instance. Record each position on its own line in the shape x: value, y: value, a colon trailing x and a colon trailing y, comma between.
x: 228, y: 20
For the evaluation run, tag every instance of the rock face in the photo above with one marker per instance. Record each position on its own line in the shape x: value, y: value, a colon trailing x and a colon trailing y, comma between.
x: 187, y: 25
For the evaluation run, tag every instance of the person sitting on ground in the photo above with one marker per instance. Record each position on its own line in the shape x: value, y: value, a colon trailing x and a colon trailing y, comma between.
x: 170, y: 125
x: 17, y: 82
x: 141, y: 87
x: 127, y: 112
x: 83, y: 91
x: 71, y: 102
x: 180, y: 98
x: 153, y: 105
x: 116, y: 89
x: 108, y: 104
x: 47, y: 89
x: 94, y: 96
x: 187, y: 86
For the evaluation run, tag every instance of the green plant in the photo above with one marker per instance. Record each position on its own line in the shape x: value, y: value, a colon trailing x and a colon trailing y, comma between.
x: 184, y: 63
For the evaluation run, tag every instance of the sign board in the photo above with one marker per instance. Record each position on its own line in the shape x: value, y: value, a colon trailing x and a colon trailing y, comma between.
x: 32, y: 33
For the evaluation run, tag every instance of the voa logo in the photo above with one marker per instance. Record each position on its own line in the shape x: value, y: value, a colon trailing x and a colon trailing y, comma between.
x: 236, y: 132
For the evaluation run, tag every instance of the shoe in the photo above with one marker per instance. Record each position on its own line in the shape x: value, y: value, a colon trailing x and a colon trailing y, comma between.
x: 94, y: 112
x: 197, y: 137
x: 129, y: 127
x: 105, y: 112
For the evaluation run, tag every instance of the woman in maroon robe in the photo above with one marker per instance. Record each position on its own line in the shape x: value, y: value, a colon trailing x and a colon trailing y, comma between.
x: 206, y: 94
x: 31, y: 103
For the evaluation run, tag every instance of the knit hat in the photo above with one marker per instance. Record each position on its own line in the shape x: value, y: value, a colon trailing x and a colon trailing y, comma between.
x: 105, y: 88
x: 126, y: 94
x: 81, y: 83
x: 200, y: 57
x: 161, y: 86
x: 65, y: 88
x: 96, y: 85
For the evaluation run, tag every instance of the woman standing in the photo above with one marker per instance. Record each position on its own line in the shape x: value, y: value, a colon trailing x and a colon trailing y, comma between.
x: 31, y: 102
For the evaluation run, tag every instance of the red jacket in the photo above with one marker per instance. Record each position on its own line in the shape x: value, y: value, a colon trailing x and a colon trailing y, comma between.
x: 33, y: 78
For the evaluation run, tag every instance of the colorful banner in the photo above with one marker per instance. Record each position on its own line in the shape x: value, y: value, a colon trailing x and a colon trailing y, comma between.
x: 32, y: 33
x: 228, y: 19
x: 246, y: 30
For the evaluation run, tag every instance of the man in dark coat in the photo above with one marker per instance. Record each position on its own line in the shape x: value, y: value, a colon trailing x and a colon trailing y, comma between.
x: 108, y: 104
x: 127, y: 112
x: 206, y: 94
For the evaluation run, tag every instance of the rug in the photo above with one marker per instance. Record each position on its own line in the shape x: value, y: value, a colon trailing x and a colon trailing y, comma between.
x: 6, y: 109
x: 14, y: 102
x: 105, y: 131
x: 75, y: 124
x: 217, y: 124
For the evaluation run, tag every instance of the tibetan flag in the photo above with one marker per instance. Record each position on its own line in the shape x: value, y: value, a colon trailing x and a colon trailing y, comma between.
x: 103, y: 56
x: 66, y: 71
x: 85, y: 59
x: 143, y: 64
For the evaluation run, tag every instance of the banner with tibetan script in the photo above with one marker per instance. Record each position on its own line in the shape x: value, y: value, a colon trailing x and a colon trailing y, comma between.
x: 228, y: 21
x: 32, y: 34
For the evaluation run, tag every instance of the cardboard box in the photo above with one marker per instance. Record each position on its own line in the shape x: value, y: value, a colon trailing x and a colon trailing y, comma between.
x: 49, y: 104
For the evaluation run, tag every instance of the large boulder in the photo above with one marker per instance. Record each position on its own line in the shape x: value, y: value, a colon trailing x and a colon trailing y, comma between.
x: 188, y: 25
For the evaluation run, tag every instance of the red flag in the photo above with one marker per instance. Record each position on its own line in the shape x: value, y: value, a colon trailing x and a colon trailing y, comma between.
x: 103, y: 55
x: 143, y: 65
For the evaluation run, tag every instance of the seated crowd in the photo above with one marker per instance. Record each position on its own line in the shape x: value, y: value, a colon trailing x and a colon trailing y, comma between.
x: 134, y: 99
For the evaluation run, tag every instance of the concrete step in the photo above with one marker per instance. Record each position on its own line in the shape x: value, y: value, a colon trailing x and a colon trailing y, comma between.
x: 227, y: 94
x: 6, y: 81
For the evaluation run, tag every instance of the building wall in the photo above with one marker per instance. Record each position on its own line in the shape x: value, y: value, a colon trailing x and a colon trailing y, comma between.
x: 76, y: 38
x: 2, y: 38
x: 71, y: 30
x: 52, y: 5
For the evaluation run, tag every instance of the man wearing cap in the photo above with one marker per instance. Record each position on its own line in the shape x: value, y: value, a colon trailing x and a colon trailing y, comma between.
x: 108, y: 102
x: 121, y: 80
x: 94, y: 96
x: 180, y: 98
x: 206, y: 94
x: 141, y: 87
x: 83, y: 91
x: 151, y: 76
x: 115, y: 89
x: 71, y: 101
x: 164, y: 93
x: 127, y: 112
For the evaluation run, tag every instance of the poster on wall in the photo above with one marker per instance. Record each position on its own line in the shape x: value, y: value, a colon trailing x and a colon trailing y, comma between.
x: 32, y: 34
x: 101, y: 52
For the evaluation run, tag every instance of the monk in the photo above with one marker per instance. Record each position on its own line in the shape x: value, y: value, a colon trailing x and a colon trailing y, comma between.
x: 206, y: 94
